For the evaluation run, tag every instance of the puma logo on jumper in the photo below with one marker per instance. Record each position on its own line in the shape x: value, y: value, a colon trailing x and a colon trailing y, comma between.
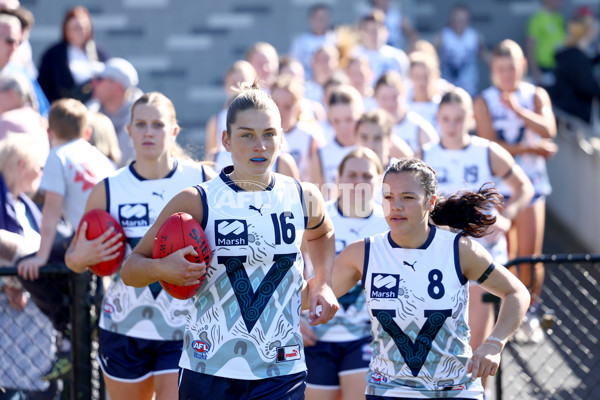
x: 251, y: 207
x: 410, y: 265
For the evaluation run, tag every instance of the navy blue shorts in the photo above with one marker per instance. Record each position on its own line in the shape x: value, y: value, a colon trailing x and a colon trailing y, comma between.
x: 371, y: 397
x: 194, y: 385
x: 326, y: 361
x: 127, y: 359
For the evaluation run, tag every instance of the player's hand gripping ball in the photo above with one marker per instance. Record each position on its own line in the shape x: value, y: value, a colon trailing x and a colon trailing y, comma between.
x: 177, y: 232
x: 98, y: 222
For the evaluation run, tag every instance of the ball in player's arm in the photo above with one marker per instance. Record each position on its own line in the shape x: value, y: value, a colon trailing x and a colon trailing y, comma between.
x: 255, y: 234
x: 140, y: 329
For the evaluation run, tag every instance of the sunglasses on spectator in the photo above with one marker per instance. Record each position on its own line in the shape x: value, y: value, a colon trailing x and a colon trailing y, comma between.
x: 9, y: 40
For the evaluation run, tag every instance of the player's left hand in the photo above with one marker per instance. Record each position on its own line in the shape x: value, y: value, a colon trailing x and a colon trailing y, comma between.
x: 322, y: 295
x: 485, y: 361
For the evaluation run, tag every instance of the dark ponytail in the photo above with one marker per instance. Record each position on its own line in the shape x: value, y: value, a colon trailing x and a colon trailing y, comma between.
x: 469, y: 212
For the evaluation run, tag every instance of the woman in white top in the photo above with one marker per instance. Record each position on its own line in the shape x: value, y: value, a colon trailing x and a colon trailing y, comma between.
x: 67, y: 68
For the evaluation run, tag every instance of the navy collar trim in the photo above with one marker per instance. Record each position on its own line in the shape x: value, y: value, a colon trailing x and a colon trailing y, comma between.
x: 224, y: 175
x: 422, y: 247
x: 141, y: 178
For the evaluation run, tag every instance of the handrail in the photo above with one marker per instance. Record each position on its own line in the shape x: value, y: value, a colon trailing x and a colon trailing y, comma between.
x: 554, y: 258
x: 53, y: 268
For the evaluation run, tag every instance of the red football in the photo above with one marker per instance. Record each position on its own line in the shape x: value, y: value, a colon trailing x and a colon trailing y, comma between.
x: 98, y: 221
x: 178, y: 231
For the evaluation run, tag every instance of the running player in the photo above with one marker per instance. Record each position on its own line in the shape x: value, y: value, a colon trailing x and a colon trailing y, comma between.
x: 415, y: 277
x: 390, y: 95
x: 243, y: 336
x: 465, y: 162
x: 141, y: 329
x: 518, y: 115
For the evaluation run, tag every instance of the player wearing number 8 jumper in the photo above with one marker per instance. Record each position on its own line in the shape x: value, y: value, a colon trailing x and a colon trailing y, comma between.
x: 242, y: 338
x: 415, y: 278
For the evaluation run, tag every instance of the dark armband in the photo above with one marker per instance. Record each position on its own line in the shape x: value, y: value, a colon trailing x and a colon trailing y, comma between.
x: 318, y: 225
x: 508, y: 173
x: 486, y: 273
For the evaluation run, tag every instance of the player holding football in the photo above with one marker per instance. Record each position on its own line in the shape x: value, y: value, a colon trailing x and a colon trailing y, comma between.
x: 141, y: 329
x: 243, y: 337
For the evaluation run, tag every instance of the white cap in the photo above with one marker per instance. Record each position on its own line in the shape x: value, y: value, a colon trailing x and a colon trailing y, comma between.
x: 122, y: 71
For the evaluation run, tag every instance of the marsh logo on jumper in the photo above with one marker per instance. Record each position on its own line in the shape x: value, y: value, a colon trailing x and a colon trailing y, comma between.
x: 231, y: 232
x: 134, y: 215
x: 384, y: 286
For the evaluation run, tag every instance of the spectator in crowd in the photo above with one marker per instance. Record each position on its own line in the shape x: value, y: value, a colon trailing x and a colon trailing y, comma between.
x: 72, y: 169
x: 115, y: 91
x: 239, y: 71
x: 460, y: 47
x: 11, y: 35
x: 23, y: 55
x: 518, y: 115
x: 103, y: 136
x: 67, y: 67
x: 26, y: 348
x: 576, y: 90
x: 17, y: 114
x: 545, y: 33
x: 265, y: 60
x: 390, y: 94
x: 139, y: 354
x: 338, y: 352
x: 304, y: 46
x: 382, y: 57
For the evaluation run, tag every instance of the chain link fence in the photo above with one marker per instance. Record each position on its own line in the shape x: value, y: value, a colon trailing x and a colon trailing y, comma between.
x: 30, y: 346
x: 564, y: 362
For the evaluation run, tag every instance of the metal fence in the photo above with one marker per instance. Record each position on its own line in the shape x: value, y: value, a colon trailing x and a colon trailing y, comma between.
x: 565, y: 364
x: 31, y: 339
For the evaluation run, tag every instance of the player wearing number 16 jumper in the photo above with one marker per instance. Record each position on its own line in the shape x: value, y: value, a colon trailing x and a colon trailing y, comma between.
x: 415, y: 278
x: 242, y: 338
